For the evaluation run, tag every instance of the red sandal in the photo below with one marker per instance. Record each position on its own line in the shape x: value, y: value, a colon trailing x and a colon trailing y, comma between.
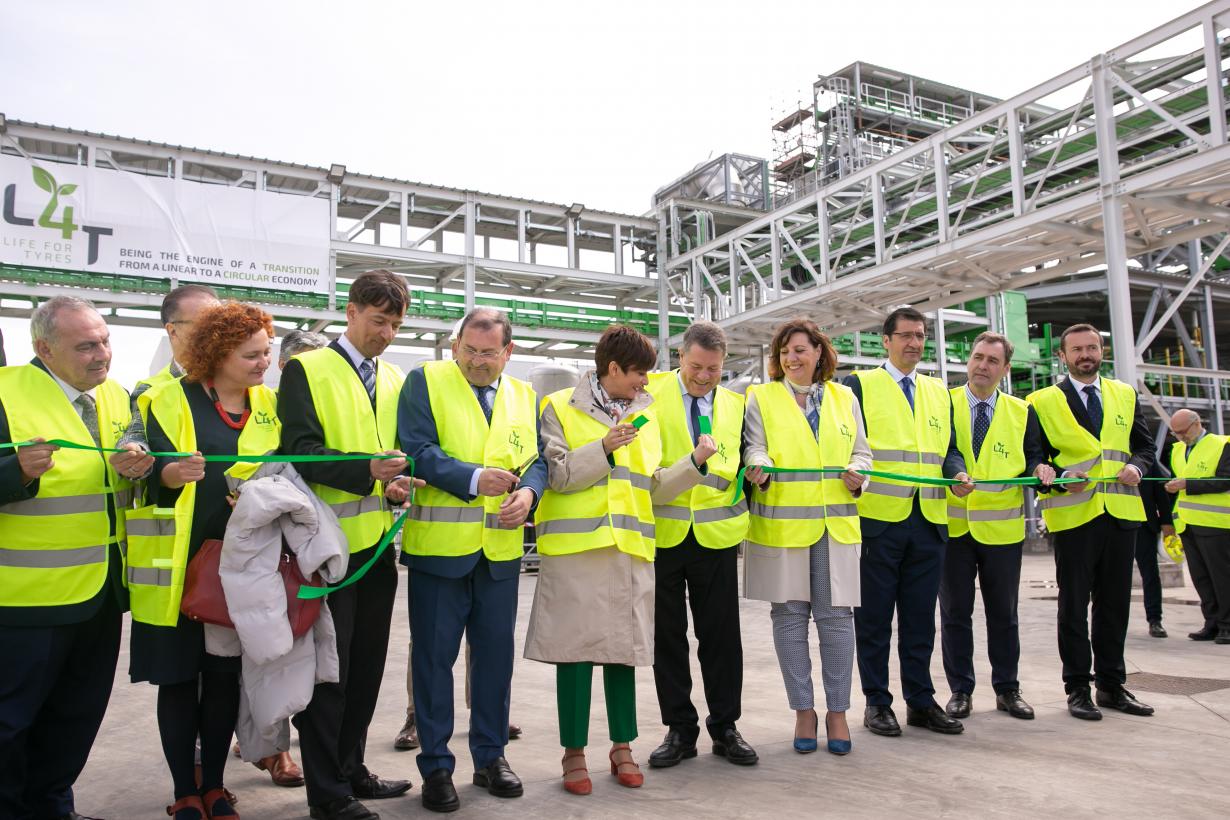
x: 581, y: 787
x: 633, y: 780
x: 218, y: 805
x: 193, y: 802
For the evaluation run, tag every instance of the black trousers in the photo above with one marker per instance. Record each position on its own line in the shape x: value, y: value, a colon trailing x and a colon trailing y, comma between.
x: 997, y: 569
x: 53, y: 695
x: 1150, y: 577
x: 333, y: 728
x: 900, y: 572
x: 1208, y: 561
x: 1093, y: 562
x: 708, y: 579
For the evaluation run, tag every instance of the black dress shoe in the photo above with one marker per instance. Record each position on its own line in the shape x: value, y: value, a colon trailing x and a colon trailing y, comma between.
x: 933, y: 718
x: 1124, y: 701
x: 1223, y: 636
x: 881, y: 721
x: 1156, y: 630
x: 1015, y: 705
x: 1208, y: 633
x: 346, y: 808
x: 438, y: 792
x: 498, y: 779
x: 731, y: 745
x: 1081, y: 706
x: 959, y: 705
x: 373, y: 788
x: 674, y: 748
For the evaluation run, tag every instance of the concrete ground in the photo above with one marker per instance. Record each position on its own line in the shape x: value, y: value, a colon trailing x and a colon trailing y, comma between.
x: 1170, y: 765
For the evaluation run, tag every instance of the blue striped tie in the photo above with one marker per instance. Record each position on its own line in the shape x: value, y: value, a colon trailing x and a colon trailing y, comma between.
x: 367, y: 372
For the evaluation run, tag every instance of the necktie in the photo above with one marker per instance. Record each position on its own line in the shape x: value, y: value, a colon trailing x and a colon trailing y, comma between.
x: 907, y: 387
x: 484, y: 401
x: 1094, y: 406
x: 982, y: 423
x: 367, y: 372
x: 89, y: 415
x: 694, y: 418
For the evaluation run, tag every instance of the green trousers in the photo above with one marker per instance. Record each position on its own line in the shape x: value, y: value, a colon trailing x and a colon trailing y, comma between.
x: 573, y: 685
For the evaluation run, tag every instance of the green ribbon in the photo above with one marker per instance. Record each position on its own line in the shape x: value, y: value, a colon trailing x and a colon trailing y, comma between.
x: 272, y: 457
x: 307, y: 592
x: 1022, y: 481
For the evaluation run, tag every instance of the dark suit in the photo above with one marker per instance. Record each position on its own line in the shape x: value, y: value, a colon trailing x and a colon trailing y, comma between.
x: 59, y: 663
x: 1208, y: 550
x: 900, y: 570
x: 333, y: 728
x: 452, y: 595
x: 1157, y: 513
x: 1094, y: 561
x: 997, y: 568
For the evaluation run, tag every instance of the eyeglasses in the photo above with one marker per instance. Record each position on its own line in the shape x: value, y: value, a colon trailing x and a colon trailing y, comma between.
x: 1180, y: 434
x: 910, y: 337
x: 471, y: 353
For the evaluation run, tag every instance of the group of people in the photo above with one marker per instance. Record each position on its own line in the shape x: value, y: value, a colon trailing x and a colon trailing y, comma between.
x: 850, y: 502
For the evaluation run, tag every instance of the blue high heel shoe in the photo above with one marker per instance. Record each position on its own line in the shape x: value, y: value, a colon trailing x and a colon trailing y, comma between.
x: 837, y: 747
x: 807, y: 745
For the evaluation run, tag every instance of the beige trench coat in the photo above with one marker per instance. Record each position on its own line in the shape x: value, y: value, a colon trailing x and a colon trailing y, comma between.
x: 596, y: 606
x: 779, y: 575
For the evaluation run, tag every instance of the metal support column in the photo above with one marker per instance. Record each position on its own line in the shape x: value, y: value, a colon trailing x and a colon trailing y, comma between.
x: 1210, y: 347
x: 941, y: 361
x: 470, y: 220
x: 1119, y: 299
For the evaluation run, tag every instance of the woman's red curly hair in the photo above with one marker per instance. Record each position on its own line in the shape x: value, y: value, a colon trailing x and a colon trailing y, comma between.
x: 219, y: 331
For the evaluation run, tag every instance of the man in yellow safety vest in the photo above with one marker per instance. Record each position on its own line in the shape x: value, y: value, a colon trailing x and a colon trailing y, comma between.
x: 62, y: 582
x: 1200, y: 462
x: 1092, y: 428
x: 999, y: 437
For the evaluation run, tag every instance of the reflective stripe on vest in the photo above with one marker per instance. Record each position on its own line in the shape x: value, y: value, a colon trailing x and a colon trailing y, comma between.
x: 1201, y: 509
x: 351, y: 426
x: 993, y: 513
x: 905, y: 442
x: 1100, y: 457
x: 56, y: 545
x: 442, y: 524
x: 797, y: 509
x: 158, y: 537
x: 616, y: 510
x: 705, y: 508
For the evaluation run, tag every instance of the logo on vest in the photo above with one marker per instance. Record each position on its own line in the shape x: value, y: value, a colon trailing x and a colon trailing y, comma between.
x: 933, y: 423
x: 118, y: 428
x: 262, y: 417
x: 514, y: 440
x: 1120, y: 421
x: 1201, y: 466
x: 1000, y: 449
x: 845, y: 432
x: 721, y: 450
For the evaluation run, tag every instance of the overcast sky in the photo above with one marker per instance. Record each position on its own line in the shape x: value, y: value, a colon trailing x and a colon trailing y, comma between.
x: 598, y: 103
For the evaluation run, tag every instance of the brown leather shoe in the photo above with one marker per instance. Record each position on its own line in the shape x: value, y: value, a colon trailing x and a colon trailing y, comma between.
x: 282, y: 769
x: 514, y: 731
x: 408, y: 737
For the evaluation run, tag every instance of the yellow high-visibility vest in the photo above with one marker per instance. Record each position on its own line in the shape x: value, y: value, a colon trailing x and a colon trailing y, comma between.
x: 706, y: 508
x: 1201, y: 509
x: 158, y: 536
x: 797, y: 509
x: 350, y: 426
x: 993, y: 513
x: 55, y: 549
x: 442, y: 524
x: 905, y: 442
x: 1098, y: 457
x: 618, y: 510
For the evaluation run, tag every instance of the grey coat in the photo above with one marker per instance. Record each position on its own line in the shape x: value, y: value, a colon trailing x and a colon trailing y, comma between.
x: 598, y: 605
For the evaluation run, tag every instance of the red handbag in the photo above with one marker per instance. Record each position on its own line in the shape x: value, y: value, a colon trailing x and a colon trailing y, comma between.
x: 204, y: 601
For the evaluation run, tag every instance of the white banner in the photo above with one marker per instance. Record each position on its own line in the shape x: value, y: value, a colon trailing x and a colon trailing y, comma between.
x: 95, y: 219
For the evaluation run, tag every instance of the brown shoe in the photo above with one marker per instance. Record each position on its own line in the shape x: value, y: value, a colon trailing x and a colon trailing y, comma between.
x: 514, y: 731
x: 408, y: 737
x: 282, y: 769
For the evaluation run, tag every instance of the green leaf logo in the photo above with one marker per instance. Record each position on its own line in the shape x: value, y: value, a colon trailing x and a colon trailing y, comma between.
x: 65, y: 190
x: 44, y: 180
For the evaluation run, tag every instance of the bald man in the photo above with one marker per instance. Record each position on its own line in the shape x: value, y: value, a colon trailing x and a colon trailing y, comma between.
x: 1200, y: 462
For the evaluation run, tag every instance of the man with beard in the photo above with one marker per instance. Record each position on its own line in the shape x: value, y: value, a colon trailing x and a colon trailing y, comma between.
x: 1092, y: 428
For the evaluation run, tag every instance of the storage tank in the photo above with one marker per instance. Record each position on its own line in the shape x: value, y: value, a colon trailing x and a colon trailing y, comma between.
x: 549, y: 377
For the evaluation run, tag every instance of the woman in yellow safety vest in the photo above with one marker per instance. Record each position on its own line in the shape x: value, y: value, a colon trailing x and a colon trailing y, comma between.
x: 595, y: 531
x: 221, y: 407
x: 803, y: 540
